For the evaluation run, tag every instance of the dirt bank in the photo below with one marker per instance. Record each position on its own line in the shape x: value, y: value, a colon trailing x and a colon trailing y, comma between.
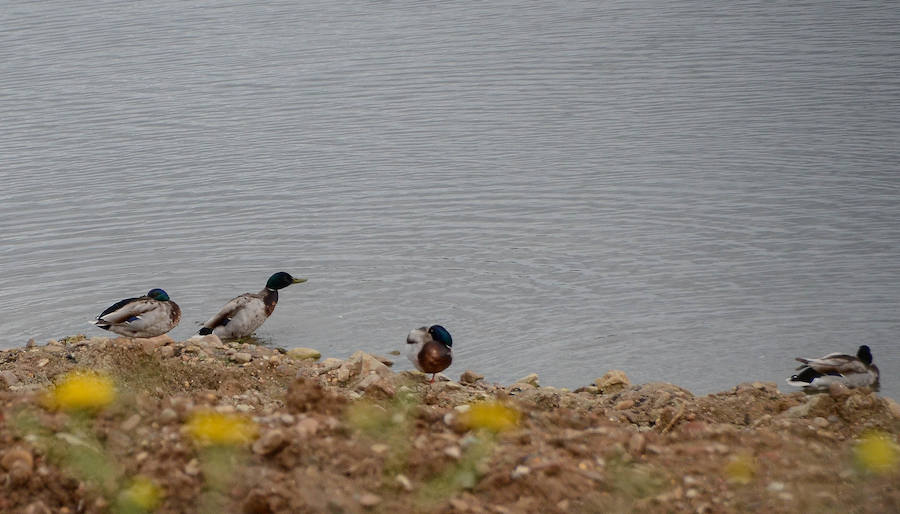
x: 205, y: 426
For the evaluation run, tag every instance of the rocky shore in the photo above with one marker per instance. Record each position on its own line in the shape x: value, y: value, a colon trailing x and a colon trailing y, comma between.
x: 207, y: 426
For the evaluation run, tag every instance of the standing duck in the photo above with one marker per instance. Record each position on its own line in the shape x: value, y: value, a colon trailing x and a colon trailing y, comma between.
x: 852, y: 371
x: 145, y: 316
x: 430, y: 349
x: 245, y: 313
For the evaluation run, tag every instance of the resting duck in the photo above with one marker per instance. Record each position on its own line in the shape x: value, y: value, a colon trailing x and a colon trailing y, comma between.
x: 852, y: 371
x: 430, y: 349
x: 245, y: 313
x: 144, y: 316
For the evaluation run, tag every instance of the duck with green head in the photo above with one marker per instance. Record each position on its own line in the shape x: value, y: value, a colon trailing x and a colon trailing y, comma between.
x: 247, y: 312
x: 145, y: 316
x: 430, y: 349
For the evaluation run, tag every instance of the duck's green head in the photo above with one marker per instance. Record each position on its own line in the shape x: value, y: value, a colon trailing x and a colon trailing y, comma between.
x: 440, y: 334
x: 281, y: 280
x: 158, y: 294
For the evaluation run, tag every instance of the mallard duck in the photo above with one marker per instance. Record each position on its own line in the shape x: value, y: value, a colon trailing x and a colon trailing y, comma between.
x: 145, y: 316
x: 852, y: 371
x: 430, y: 349
x: 245, y: 313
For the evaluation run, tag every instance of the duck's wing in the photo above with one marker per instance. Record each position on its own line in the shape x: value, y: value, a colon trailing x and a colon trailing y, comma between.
x: 126, y: 310
x: 835, y: 363
x: 230, y: 310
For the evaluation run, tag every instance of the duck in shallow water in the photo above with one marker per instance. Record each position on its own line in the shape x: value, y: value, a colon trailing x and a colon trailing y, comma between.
x: 850, y: 370
x: 145, y: 316
x: 430, y: 349
x: 247, y: 312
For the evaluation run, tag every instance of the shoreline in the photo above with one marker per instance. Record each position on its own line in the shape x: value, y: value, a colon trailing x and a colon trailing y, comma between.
x: 351, y: 435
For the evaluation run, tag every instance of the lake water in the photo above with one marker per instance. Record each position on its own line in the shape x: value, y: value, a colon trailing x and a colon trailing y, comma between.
x: 694, y: 192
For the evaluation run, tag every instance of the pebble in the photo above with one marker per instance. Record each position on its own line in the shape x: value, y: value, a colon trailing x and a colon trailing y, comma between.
x: 470, y: 377
x: 775, y: 487
x: 520, y: 472
x: 241, y: 357
x: 404, y: 482
x: 43, y: 362
x: 458, y: 504
x: 453, y: 452
x: 192, y: 468
x: 820, y: 422
x: 19, y: 463
x: 624, y: 404
x: 304, y: 354
x: 330, y: 364
x: 307, y: 427
x: 637, y: 444
x: 612, y: 381
x: 369, y: 500
x: 270, y: 442
x: 531, y: 379
x: 168, y: 415
x: 131, y: 423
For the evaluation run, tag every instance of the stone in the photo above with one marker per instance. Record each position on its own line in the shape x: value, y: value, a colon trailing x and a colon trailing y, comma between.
x: 531, y: 379
x: 470, y: 377
x: 168, y: 415
x: 192, y: 468
x: 369, y: 364
x: 241, y: 357
x: 637, y: 443
x: 270, y: 442
x: 329, y: 364
x: 612, y: 381
x: 307, y: 427
x: 803, y: 410
x: 447, y: 386
x: 131, y: 423
x: 519, y: 472
x: 304, y: 354
x: 893, y: 407
x: 404, y: 482
x: 19, y: 463
x: 384, y: 360
x: 624, y: 405
x: 369, y: 500
x: 838, y: 390
x: 9, y: 377
x: 211, y: 340
x: 453, y: 452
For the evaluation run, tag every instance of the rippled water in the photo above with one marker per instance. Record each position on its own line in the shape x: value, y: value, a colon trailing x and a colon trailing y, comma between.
x: 692, y: 193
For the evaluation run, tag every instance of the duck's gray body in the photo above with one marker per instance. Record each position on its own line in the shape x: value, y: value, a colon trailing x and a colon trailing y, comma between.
x: 140, y: 317
x: 837, y: 368
x: 242, y: 315
x: 247, y: 312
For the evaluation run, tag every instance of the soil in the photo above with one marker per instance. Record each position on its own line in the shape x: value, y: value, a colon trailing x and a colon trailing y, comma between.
x: 349, y: 436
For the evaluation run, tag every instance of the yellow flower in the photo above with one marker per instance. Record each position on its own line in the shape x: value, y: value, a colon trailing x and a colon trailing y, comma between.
x: 493, y: 416
x: 143, y: 494
x: 82, y: 390
x: 741, y: 469
x: 877, y: 452
x: 210, y: 427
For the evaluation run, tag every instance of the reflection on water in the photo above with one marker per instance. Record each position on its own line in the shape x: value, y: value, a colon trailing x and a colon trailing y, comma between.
x: 690, y: 193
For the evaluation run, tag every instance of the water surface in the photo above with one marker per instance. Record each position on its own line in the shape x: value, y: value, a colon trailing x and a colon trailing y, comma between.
x: 694, y: 193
